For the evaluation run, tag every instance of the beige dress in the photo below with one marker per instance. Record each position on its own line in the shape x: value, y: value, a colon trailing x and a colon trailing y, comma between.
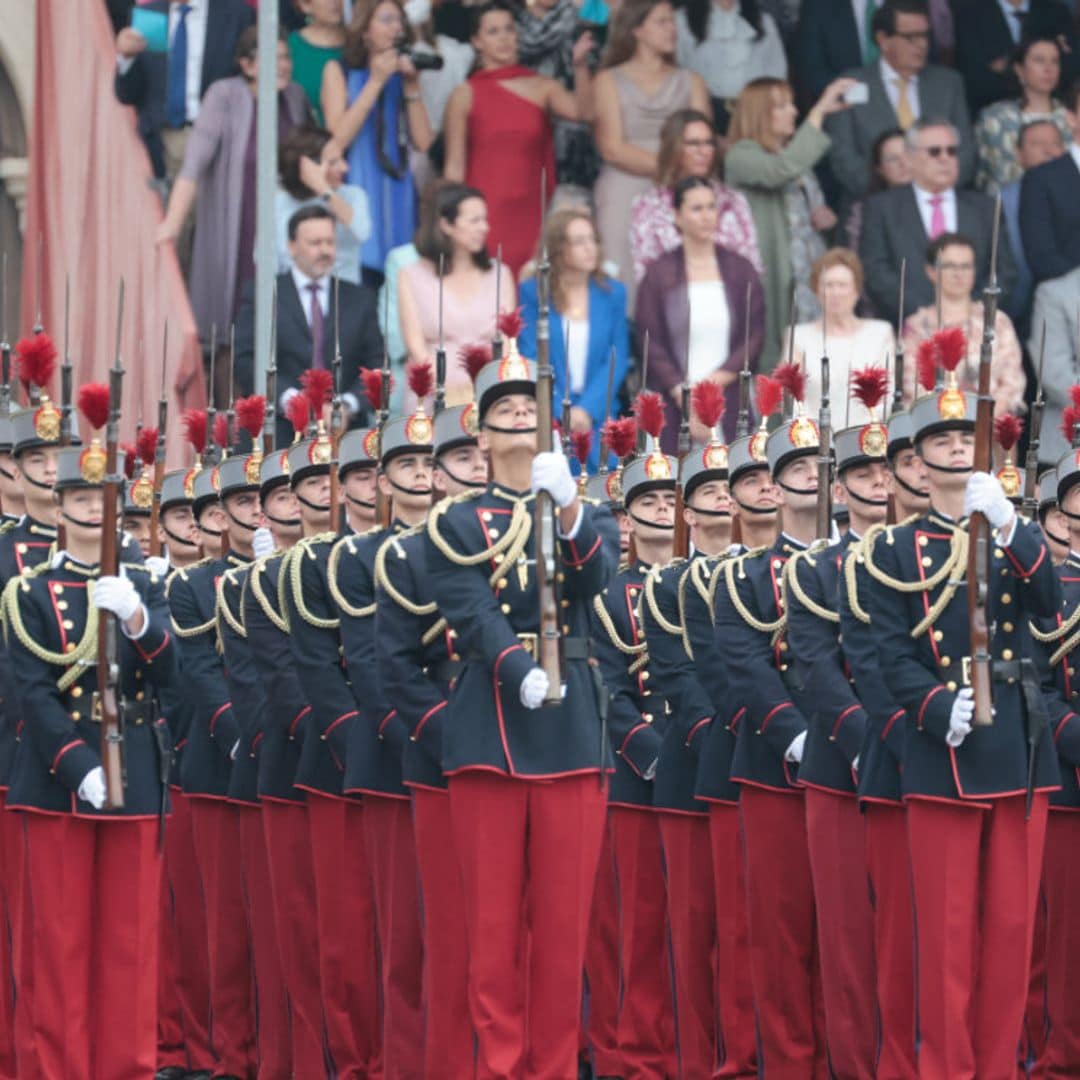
x: 643, y: 116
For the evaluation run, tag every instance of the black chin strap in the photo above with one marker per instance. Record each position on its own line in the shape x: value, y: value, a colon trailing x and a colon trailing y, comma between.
x: 795, y: 491
x: 510, y: 430
x: 362, y: 503
x: 1071, y: 517
x: 283, y: 523
x: 649, y: 524
x: 6, y: 475
x: 317, y: 507
x: 457, y: 479
x: 179, y: 539
x: 913, y: 491
x: 236, y: 521
x: 82, y: 524
x: 1050, y: 536
x: 707, y: 513
x: 213, y: 533
x: 762, y: 511
x: 419, y: 493
x: 954, y: 470
x: 36, y: 483
x: 865, y: 501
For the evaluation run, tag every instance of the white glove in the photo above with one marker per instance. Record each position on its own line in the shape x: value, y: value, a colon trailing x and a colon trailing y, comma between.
x: 855, y: 763
x: 534, y: 688
x: 92, y: 788
x: 286, y: 396
x: 551, y: 473
x: 262, y: 543
x: 157, y: 565
x: 118, y: 595
x: 984, y: 495
x: 960, y: 718
x: 235, y: 750
x: 794, y: 751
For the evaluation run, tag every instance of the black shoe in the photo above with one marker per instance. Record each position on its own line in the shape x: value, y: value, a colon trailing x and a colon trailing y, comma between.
x: 201, y: 1074
x: 171, y: 1072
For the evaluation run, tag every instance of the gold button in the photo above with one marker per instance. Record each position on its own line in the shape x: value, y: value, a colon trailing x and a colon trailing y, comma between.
x: 76, y: 691
x: 501, y: 583
x: 21, y: 549
x: 951, y: 686
x: 783, y: 646
x: 945, y: 661
x: 68, y: 624
x: 927, y: 561
x: 783, y: 667
x: 647, y: 717
x: 938, y: 635
x: 923, y: 541
x: 645, y: 675
x: 139, y: 696
x: 451, y: 633
x: 1006, y: 654
x: 1072, y: 672
x: 499, y: 557
x: 566, y: 628
x: 1007, y: 627
x: 138, y: 674
x: 455, y: 656
x: 486, y: 515
x: 565, y: 603
x: 69, y: 647
x: 777, y: 564
x: 58, y: 590
x: 76, y: 715
x: 1006, y: 598
x: 493, y: 532
x: 505, y: 609
x: 61, y: 605
x: 560, y: 577
x: 998, y: 553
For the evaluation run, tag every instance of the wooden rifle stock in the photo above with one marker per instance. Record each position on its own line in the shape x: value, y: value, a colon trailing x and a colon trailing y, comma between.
x: 1030, y: 504
x: 159, y: 450
x: 681, y: 544
x: 270, y: 423
x: 337, y: 416
x: 108, y: 674
x: 824, y: 496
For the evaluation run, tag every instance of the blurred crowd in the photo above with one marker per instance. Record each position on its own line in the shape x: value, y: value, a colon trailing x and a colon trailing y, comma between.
x: 728, y: 180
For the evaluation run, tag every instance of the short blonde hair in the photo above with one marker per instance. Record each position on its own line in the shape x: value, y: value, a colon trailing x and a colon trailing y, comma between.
x: 752, y: 118
x: 838, y: 256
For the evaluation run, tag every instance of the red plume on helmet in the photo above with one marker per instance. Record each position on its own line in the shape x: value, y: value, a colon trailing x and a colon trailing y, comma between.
x: 36, y: 360
x: 951, y: 345
x: 251, y: 414
x: 221, y: 430
x: 581, y: 442
x: 621, y: 436
x: 1007, y: 431
x: 420, y: 377
x: 146, y: 445
x: 791, y: 378
x: 372, y: 379
x: 708, y: 401
x: 1071, y: 414
x: 768, y: 393
x: 193, y: 422
x: 926, y: 364
x: 475, y: 358
x: 511, y: 323
x: 870, y: 385
x: 649, y: 413
x: 298, y: 413
x: 318, y: 386
x: 131, y: 459
x: 93, y: 403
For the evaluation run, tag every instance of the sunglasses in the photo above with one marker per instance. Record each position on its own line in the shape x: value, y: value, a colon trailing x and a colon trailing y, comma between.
x: 914, y: 37
x: 938, y: 151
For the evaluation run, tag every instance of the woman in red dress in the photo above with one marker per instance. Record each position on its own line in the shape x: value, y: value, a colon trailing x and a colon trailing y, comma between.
x: 497, y: 128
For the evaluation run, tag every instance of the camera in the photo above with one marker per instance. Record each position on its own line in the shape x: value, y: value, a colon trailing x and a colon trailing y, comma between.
x: 421, y: 59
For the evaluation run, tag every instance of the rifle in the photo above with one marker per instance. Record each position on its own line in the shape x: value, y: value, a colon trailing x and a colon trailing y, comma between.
x: 641, y: 435
x: 337, y: 413
x: 39, y: 326
x: 211, y: 412
x: 230, y: 410
x: 382, y: 502
x: 1030, y: 505
x: 567, y: 405
x: 65, y: 399
x: 824, y: 481
x: 159, y: 450
x: 270, y: 423
x: 108, y: 705
x: 5, y: 346
x: 605, y: 453
x: 497, y: 341
x: 898, y: 361
x: 742, y: 424
x: 978, y: 568
x: 681, y: 545
x: 550, y: 643
x: 440, y: 350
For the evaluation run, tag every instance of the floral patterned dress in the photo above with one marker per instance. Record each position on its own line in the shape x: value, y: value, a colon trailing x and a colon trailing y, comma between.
x: 996, y: 133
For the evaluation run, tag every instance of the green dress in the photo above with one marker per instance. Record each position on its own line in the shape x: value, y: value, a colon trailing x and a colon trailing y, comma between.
x: 308, y: 62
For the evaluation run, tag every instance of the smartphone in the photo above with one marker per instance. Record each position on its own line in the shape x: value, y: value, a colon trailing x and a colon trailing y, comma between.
x: 859, y: 94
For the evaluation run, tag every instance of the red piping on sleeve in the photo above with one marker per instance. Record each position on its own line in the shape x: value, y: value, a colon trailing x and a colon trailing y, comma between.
x: 63, y: 750
x: 217, y: 715
x: 926, y: 701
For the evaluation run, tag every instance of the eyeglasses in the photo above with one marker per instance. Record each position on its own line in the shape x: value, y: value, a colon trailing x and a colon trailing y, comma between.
x: 699, y: 144
x: 960, y: 268
x: 938, y: 151
x: 915, y: 37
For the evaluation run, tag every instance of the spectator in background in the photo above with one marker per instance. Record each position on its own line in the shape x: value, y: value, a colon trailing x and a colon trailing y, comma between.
x: 687, y: 148
x: 167, y: 88
x: 218, y: 178
x: 833, y: 36
x: 772, y: 164
x: 454, y: 228
x: 372, y: 104
x: 312, y: 171
x: 315, y: 46
x: 638, y: 87
x: 892, y: 168
x: 498, y: 129
x: 950, y: 267
x: 991, y: 30
x: 1049, y: 207
x: 1055, y: 307
x: 588, y: 321
x: 902, y: 88
x: 852, y: 342
x: 1039, y: 142
x: 693, y: 304
x: 306, y: 317
x: 899, y: 223
x: 1037, y: 64
x: 729, y: 43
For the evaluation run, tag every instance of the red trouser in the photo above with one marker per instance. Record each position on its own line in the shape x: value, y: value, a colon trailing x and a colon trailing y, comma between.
x: 688, y: 860
x: 170, y: 1024
x: 271, y: 1003
x: 975, y: 874
x: 17, y: 886
x: 388, y: 837
x: 889, y: 868
x: 448, y: 1037
x: 1062, y: 876
x: 292, y: 887
x: 348, y: 968
x: 1036, y: 1017
x: 735, y: 991
x: 219, y: 849
x: 646, y: 1019
x: 599, y: 1032
x: 94, y: 889
x: 528, y: 852
x: 783, y: 937
x: 10, y: 845
x: 836, y: 842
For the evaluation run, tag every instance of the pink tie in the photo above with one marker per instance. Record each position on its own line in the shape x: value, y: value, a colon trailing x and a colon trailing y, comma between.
x: 937, y: 216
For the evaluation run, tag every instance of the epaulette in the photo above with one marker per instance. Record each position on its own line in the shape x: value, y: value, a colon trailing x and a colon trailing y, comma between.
x: 382, y: 578
x: 7, y: 526
x: 856, y: 554
x: 222, y: 608
x: 736, y: 566
x: 612, y: 631
x: 790, y: 581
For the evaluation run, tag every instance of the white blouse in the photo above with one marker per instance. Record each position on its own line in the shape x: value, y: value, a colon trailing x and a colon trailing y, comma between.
x: 577, y: 354
x: 710, y: 329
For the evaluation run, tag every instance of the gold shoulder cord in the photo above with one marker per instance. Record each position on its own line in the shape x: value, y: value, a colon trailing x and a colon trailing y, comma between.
x: 82, y: 655
x: 745, y: 613
x: 651, y: 580
x: 700, y: 577
x: 223, y: 610
x: 382, y: 578
x: 297, y: 585
x: 957, y: 555
x: 854, y: 557
x: 335, y: 591
x: 181, y: 631
x: 957, y: 560
x: 681, y: 600
x: 611, y: 630
x: 790, y: 581
x: 255, y: 580
x: 519, y: 519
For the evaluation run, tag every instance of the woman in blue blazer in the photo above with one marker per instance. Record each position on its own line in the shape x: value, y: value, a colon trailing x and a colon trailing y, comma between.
x: 593, y: 306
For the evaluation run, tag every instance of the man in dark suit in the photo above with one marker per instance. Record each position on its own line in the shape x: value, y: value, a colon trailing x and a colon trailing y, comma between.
x: 834, y: 36
x: 166, y: 87
x: 990, y: 30
x: 902, y: 88
x: 305, y: 322
x: 899, y: 223
x: 1050, y: 205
